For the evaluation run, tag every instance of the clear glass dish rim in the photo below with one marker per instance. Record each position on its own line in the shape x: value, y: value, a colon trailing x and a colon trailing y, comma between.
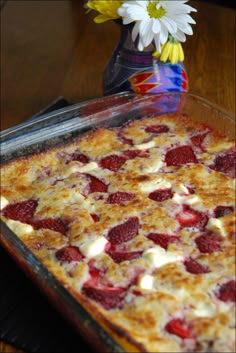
x: 138, y: 97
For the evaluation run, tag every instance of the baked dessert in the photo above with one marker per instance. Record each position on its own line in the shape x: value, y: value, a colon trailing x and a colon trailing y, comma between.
x: 138, y: 223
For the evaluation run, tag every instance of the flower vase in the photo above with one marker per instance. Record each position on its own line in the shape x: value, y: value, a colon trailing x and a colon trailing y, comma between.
x: 139, y: 71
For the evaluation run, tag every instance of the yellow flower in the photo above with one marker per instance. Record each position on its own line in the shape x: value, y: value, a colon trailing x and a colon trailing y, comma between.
x: 156, y: 54
x: 107, y: 9
x: 172, y: 51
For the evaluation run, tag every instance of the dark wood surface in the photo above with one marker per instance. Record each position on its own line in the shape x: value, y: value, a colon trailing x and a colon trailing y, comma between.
x: 53, y: 48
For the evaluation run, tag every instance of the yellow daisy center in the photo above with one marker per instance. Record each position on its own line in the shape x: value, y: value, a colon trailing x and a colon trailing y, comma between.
x: 155, y: 10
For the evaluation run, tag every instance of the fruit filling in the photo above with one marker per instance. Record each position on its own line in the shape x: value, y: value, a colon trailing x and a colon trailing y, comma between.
x: 124, y: 232
x: 179, y: 328
x: 226, y: 163
x: 68, y: 254
x: 208, y: 243
x: 163, y: 240
x: 227, y: 291
x: 180, y: 155
x: 161, y: 195
x: 157, y: 129
x: 192, y: 218
x: 112, y: 162
x: 20, y: 211
x: 120, y: 197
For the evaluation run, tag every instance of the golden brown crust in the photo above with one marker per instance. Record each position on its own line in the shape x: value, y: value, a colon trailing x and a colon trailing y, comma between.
x: 163, y: 282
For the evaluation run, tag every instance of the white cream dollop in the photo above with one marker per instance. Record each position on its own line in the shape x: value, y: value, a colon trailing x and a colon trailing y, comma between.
x: 146, y: 281
x: 19, y: 228
x: 216, y: 226
x: 158, y: 257
x: 146, y: 145
x: 93, y: 247
x: 187, y: 200
x: 75, y: 167
x: 3, y: 202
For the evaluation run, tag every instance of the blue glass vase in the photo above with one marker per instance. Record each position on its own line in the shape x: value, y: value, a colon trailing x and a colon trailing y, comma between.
x: 132, y: 70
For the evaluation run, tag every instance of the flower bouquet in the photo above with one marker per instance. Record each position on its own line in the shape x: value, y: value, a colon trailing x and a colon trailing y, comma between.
x: 156, y: 29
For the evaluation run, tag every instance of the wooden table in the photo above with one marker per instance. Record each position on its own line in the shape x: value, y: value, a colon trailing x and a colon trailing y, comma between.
x: 53, y: 48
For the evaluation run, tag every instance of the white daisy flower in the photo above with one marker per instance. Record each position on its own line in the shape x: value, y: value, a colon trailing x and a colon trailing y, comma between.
x: 155, y: 20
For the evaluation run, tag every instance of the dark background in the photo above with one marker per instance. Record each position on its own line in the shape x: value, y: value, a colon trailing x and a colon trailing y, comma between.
x: 229, y: 3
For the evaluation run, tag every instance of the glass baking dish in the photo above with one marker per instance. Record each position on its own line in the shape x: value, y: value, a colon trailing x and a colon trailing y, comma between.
x: 60, y: 127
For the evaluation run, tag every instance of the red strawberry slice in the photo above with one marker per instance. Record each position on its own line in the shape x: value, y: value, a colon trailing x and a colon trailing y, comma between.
x: 161, y: 195
x: 198, y: 139
x: 55, y: 224
x: 227, y: 291
x: 95, y: 217
x: 208, y: 243
x: 68, y: 254
x: 124, y: 232
x: 226, y: 163
x: 130, y: 154
x: 157, y: 129
x: 180, y: 155
x: 179, y: 328
x: 192, y: 218
x: 221, y: 211
x: 190, y: 190
x: 195, y: 267
x: 20, y: 211
x: 124, y: 139
x: 119, y: 256
x: 94, y: 271
x: 77, y: 156
x: 119, y: 197
x: 112, y: 162
x: 98, y: 277
x: 96, y: 185
x: 163, y: 240
x: 108, y: 297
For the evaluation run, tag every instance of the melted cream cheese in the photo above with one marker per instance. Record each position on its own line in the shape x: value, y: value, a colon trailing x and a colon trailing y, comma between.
x: 19, y: 228
x: 158, y: 257
x: 204, y: 310
x: 187, y: 200
x: 146, y: 282
x: 145, y: 146
x: 216, y: 226
x: 3, y: 202
x: 180, y: 189
x: 94, y: 247
x: 75, y: 167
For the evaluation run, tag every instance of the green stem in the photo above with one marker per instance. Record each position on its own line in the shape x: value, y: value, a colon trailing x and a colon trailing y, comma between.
x: 172, y: 39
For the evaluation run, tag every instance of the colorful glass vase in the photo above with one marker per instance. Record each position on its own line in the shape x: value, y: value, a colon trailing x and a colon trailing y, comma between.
x: 138, y: 71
